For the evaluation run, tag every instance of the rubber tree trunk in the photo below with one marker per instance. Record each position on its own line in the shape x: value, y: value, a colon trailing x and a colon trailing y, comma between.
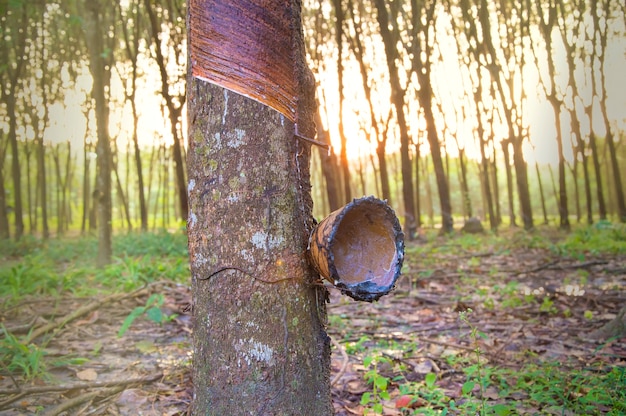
x: 397, y: 98
x: 259, y: 341
x: 102, y: 194
x: 260, y: 345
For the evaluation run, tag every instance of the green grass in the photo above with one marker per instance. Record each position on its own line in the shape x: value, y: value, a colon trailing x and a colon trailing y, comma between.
x: 67, y: 267
x: 553, y: 387
x: 532, y: 385
x: 55, y: 267
x: 32, y: 267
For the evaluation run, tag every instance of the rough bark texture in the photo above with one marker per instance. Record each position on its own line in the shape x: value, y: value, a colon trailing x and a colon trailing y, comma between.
x: 260, y: 346
x: 259, y: 341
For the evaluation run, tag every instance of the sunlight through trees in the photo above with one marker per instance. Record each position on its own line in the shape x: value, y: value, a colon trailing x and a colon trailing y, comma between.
x: 507, y: 111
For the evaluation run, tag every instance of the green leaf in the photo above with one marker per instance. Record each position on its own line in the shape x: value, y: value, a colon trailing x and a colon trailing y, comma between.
x: 430, y: 379
x: 378, y: 408
x: 381, y: 382
x: 501, y: 409
x: 468, y: 386
x: 366, y: 398
x: 129, y: 320
x: 155, y: 314
x: 367, y: 361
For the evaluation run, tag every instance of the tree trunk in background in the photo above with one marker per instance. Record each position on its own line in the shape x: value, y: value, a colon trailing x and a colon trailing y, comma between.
x: 465, y: 193
x: 57, y: 173
x: 14, y: 77
x: 15, y: 168
x: 429, y: 192
x: 573, y: 168
x: 143, y: 209
x: 602, y: 31
x: 547, y: 24
x: 383, y: 171
x: 509, y: 180
x: 418, y: 174
x: 93, y: 31
x: 617, y: 178
x: 397, y: 98
x: 42, y: 187
x: 504, y: 82
x: 125, y: 209
x: 421, y: 67
x: 4, y: 219
x: 362, y: 177
x: 343, y: 154
x: 328, y: 165
x: 486, y: 180
x: 381, y: 139
x: 132, y: 39
x: 447, y: 224
x: 174, y: 106
x: 86, y: 186
x: 596, y: 165
x: 28, y: 150
x: 542, y: 195
x: 580, y: 148
x: 259, y: 339
x: 521, y: 176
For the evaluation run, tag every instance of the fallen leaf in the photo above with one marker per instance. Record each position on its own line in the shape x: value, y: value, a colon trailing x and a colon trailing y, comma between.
x: 87, y: 375
x: 403, y: 401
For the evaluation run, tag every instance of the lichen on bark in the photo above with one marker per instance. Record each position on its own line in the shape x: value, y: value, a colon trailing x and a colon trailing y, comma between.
x: 251, y: 281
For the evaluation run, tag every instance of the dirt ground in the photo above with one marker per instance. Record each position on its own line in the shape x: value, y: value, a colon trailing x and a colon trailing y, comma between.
x: 146, y: 372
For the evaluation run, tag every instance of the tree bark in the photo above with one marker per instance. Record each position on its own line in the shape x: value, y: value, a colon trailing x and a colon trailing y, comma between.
x: 102, y: 193
x: 11, y: 111
x: 546, y: 26
x: 260, y: 345
x: 174, y: 106
x: 509, y: 180
x: 397, y: 98
x: 603, y: 33
x: 259, y: 341
x: 5, y: 233
x: 131, y: 40
x: 343, y: 154
x: 328, y: 165
x: 381, y: 139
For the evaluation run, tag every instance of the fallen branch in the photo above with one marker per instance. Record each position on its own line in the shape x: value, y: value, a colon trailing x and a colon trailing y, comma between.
x: 344, y: 365
x: 579, y: 265
x: 446, y: 344
x: 554, y: 265
x: 537, y: 269
x: 84, y: 310
x: 83, y: 399
x: 82, y: 386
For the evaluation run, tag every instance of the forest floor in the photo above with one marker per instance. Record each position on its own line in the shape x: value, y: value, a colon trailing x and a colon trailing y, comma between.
x: 476, y: 325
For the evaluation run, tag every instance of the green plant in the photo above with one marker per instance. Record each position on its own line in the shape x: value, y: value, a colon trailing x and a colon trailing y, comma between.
x: 547, y: 306
x: 379, y: 384
x: 431, y: 399
x: 18, y: 356
x: 474, y: 372
x: 152, y: 310
x: 358, y: 346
